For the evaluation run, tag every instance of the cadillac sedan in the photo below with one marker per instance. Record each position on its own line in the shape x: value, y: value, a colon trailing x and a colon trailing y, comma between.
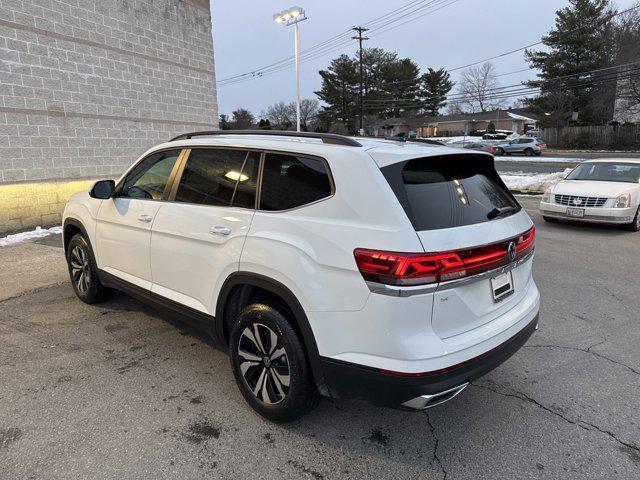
x: 597, y: 191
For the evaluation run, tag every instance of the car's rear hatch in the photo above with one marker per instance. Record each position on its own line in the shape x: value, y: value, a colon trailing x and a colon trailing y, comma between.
x: 460, y: 207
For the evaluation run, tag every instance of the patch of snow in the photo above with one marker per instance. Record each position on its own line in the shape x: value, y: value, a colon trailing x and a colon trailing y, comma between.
x: 459, y: 139
x: 39, y: 232
x: 537, y: 182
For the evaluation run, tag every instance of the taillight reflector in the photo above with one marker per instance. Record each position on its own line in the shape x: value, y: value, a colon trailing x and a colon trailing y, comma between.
x: 394, y: 268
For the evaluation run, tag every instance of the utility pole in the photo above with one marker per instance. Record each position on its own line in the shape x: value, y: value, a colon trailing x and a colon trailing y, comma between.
x: 360, y: 38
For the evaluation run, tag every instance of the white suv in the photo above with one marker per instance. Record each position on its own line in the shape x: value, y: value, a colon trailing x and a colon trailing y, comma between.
x: 353, y: 268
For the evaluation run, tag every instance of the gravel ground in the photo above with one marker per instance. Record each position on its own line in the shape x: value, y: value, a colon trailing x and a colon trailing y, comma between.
x: 121, y: 391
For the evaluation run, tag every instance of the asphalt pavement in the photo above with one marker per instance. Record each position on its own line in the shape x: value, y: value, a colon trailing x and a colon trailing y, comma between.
x: 118, y: 390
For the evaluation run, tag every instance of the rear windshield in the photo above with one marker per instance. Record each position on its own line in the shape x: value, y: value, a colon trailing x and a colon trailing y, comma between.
x: 452, y: 191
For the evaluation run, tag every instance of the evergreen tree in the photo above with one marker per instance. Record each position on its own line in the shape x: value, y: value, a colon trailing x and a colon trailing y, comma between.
x: 435, y: 85
x: 580, y: 43
x: 242, y: 119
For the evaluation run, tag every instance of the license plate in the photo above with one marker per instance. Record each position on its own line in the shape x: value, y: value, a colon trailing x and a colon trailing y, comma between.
x: 502, y: 286
x: 575, y: 212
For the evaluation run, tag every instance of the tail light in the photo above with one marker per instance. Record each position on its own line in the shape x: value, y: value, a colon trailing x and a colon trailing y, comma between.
x: 393, y: 268
x: 491, y: 149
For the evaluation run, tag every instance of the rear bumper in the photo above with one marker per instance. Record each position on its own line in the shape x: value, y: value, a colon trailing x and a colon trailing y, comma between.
x: 591, y: 215
x: 352, y: 381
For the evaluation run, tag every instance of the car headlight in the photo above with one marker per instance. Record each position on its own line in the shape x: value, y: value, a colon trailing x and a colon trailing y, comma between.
x: 546, y: 196
x: 623, y: 201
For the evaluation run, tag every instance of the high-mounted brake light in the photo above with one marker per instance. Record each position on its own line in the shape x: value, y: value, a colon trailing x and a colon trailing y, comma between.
x: 393, y: 268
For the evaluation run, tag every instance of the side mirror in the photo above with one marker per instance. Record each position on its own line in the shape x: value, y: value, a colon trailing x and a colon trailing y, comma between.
x: 103, y: 189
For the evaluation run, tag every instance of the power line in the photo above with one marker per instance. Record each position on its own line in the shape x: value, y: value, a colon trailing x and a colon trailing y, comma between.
x: 339, y: 41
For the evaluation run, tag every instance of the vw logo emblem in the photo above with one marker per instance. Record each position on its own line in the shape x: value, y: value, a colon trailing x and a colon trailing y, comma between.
x: 511, y: 250
x: 577, y: 201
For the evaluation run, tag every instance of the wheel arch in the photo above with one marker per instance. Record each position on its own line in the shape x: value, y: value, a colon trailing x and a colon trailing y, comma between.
x: 70, y: 228
x: 249, y: 279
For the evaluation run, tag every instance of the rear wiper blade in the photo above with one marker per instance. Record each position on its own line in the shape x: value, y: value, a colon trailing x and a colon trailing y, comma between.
x: 498, y: 212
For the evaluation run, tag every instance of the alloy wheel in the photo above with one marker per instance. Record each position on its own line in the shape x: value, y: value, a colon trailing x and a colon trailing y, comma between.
x: 80, y: 269
x: 264, y: 363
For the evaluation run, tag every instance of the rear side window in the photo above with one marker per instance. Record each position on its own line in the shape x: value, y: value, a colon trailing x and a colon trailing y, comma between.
x: 219, y: 177
x: 445, y: 192
x: 290, y: 181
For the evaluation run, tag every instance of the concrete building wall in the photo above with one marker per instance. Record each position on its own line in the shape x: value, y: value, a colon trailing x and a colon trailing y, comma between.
x: 88, y: 85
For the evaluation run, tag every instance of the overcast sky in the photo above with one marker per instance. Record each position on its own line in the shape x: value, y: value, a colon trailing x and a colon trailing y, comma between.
x: 461, y: 32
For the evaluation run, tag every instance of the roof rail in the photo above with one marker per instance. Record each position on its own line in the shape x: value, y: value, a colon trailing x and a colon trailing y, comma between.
x: 325, y: 137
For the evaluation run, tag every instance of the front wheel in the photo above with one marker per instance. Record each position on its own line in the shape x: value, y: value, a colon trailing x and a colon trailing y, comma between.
x: 635, y: 225
x: 83, y: 271
x: 269, y: 364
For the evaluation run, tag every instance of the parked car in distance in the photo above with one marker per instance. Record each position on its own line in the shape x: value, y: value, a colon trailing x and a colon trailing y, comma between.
x: 427, y: 141
x: 360, y: 268
x: 597, y: 191
x: 524, y: 145
x: 480, y: 147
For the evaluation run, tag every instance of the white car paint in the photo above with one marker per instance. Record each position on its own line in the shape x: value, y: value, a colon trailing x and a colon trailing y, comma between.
x: 587, y: 188
x: 310, y: 250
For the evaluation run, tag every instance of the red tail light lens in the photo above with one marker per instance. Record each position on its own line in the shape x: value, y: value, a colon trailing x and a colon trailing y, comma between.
x: 393, y: 268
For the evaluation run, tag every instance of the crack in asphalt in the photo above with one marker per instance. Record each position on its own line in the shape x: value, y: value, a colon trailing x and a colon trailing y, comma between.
x: 588, y: 350
x: 436, y: 442
x: 588, y: 426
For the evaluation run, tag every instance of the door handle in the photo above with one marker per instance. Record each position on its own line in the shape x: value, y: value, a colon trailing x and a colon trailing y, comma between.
x: 145, y: 218
x: 224, y: 231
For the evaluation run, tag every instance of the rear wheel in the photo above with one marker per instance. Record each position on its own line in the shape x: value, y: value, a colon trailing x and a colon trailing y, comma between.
x: 83, y: 271
x: 270, y: 366
x: 635, y: 225
x: 529, y: 152
x: 499, y: 151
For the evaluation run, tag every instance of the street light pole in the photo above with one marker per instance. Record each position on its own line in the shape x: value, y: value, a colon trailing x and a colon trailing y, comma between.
x: 295, y: 43
x: 293, y: 16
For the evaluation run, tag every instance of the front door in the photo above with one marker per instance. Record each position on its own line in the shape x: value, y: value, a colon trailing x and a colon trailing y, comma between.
x: 123, y: 229
x: 198, y: 236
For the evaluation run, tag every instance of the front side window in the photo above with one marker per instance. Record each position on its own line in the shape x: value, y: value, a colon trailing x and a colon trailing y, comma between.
x: 290, y: 181
x: 149, y: 178
x: 219, y: 177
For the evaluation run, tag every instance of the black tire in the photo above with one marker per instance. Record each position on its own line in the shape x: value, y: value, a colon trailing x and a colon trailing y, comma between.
x: 635, y: 225
x: 83, y: 271
x: 529, y: 152
x: 550, y: 219
x: 499, y: 152
x: 273, y: 399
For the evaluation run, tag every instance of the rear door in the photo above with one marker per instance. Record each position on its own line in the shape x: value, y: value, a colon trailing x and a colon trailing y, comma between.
x: 199, y: 233
x: 454, y: 203
x: 123, y: 229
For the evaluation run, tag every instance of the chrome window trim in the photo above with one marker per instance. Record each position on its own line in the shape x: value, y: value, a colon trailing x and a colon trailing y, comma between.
x: 401, y: 291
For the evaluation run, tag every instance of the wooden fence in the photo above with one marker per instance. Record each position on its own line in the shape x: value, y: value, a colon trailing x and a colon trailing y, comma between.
x: 602, y: 136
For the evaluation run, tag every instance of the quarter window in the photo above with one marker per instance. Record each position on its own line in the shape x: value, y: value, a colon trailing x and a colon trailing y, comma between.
x: 290, y: 181
x: 219, y: 177
x: 149, y: 178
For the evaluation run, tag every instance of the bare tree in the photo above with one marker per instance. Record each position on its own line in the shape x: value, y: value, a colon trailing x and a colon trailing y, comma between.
x: 478, y: 87
x: 280, y: 115
x: 309, y: 109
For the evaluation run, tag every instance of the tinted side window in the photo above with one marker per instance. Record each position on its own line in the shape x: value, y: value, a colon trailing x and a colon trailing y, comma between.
x: 149, y: 178
x: 291, y: 181
x: 219, y: 177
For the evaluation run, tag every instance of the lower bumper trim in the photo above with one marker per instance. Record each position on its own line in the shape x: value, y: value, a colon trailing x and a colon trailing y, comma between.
x: 359, y: 382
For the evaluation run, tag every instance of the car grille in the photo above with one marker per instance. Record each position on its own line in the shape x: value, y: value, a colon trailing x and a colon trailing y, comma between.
x: 576, y: 201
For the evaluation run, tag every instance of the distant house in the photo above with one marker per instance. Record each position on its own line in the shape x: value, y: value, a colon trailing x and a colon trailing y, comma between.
x: 517, y: 120
x: 391, y: 127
